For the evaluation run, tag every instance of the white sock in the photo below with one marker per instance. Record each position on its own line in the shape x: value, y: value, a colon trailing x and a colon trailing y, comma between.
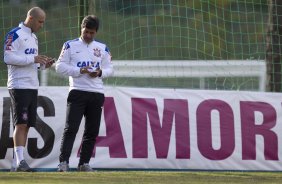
x: 14, y: 161
x: 19, y: 153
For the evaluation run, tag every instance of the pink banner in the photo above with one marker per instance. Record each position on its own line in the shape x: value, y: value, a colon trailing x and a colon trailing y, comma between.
x: 159, y: 129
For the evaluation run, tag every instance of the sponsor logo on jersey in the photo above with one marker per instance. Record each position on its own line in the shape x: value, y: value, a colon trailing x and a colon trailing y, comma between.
x: 30, y: 51
x: 81, y: 64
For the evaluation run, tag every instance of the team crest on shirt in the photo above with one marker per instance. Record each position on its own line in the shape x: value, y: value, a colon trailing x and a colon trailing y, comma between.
x: 97, y: 52
x: 24, y: 116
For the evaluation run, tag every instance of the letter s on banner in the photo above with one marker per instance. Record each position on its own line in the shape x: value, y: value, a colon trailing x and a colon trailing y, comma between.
x: 43, y: 129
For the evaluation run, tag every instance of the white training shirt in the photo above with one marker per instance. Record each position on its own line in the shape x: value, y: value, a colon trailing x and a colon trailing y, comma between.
x: 20, y: 47
x: 77, y: 54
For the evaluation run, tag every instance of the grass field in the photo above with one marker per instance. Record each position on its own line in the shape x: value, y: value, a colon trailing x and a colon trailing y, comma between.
x: 143, y: 177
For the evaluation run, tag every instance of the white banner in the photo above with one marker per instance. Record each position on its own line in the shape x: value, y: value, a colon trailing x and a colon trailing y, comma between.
x: 159, y: 129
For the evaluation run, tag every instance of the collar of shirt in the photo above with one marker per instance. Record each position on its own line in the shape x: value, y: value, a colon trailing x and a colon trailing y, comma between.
x: 26, y: 29
x: 80, y: 39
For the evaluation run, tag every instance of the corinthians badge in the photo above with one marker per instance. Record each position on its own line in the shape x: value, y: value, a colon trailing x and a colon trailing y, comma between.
x: 97, y: 52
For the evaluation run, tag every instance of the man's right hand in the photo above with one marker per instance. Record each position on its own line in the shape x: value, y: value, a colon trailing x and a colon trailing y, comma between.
x: 41, y: 59
x: 84, y: 70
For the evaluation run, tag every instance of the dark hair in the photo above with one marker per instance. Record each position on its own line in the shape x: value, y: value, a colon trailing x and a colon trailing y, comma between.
x: 90, y: 22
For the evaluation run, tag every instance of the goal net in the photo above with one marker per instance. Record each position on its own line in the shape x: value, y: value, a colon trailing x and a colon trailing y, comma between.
x: 207, y: 44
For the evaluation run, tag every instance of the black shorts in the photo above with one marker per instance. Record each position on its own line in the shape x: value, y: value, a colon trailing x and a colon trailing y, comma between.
x: 24, y: 106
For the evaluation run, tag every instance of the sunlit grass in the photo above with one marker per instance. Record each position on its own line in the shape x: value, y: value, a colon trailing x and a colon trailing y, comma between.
x: 143, y: 177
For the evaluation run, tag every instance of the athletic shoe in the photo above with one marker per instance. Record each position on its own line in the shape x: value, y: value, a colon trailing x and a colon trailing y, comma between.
x: 85, y: 168
x: 63, y: 167
x: 13, y: 169
x: 23, y: 167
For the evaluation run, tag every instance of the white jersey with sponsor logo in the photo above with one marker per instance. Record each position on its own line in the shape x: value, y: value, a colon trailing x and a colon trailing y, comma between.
x: 20, y: 47
x: 76, y: 54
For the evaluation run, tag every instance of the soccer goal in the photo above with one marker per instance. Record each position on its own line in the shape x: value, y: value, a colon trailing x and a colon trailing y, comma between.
x: 207, y: 44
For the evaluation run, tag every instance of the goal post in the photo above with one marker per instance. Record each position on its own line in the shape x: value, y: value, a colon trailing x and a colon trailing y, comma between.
x: 193, y: 69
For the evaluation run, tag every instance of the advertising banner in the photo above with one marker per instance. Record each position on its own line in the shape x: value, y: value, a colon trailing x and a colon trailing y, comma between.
x: 164, y: 129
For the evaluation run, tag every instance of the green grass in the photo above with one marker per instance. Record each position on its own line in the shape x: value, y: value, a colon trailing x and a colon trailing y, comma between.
x: 143, y: 177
